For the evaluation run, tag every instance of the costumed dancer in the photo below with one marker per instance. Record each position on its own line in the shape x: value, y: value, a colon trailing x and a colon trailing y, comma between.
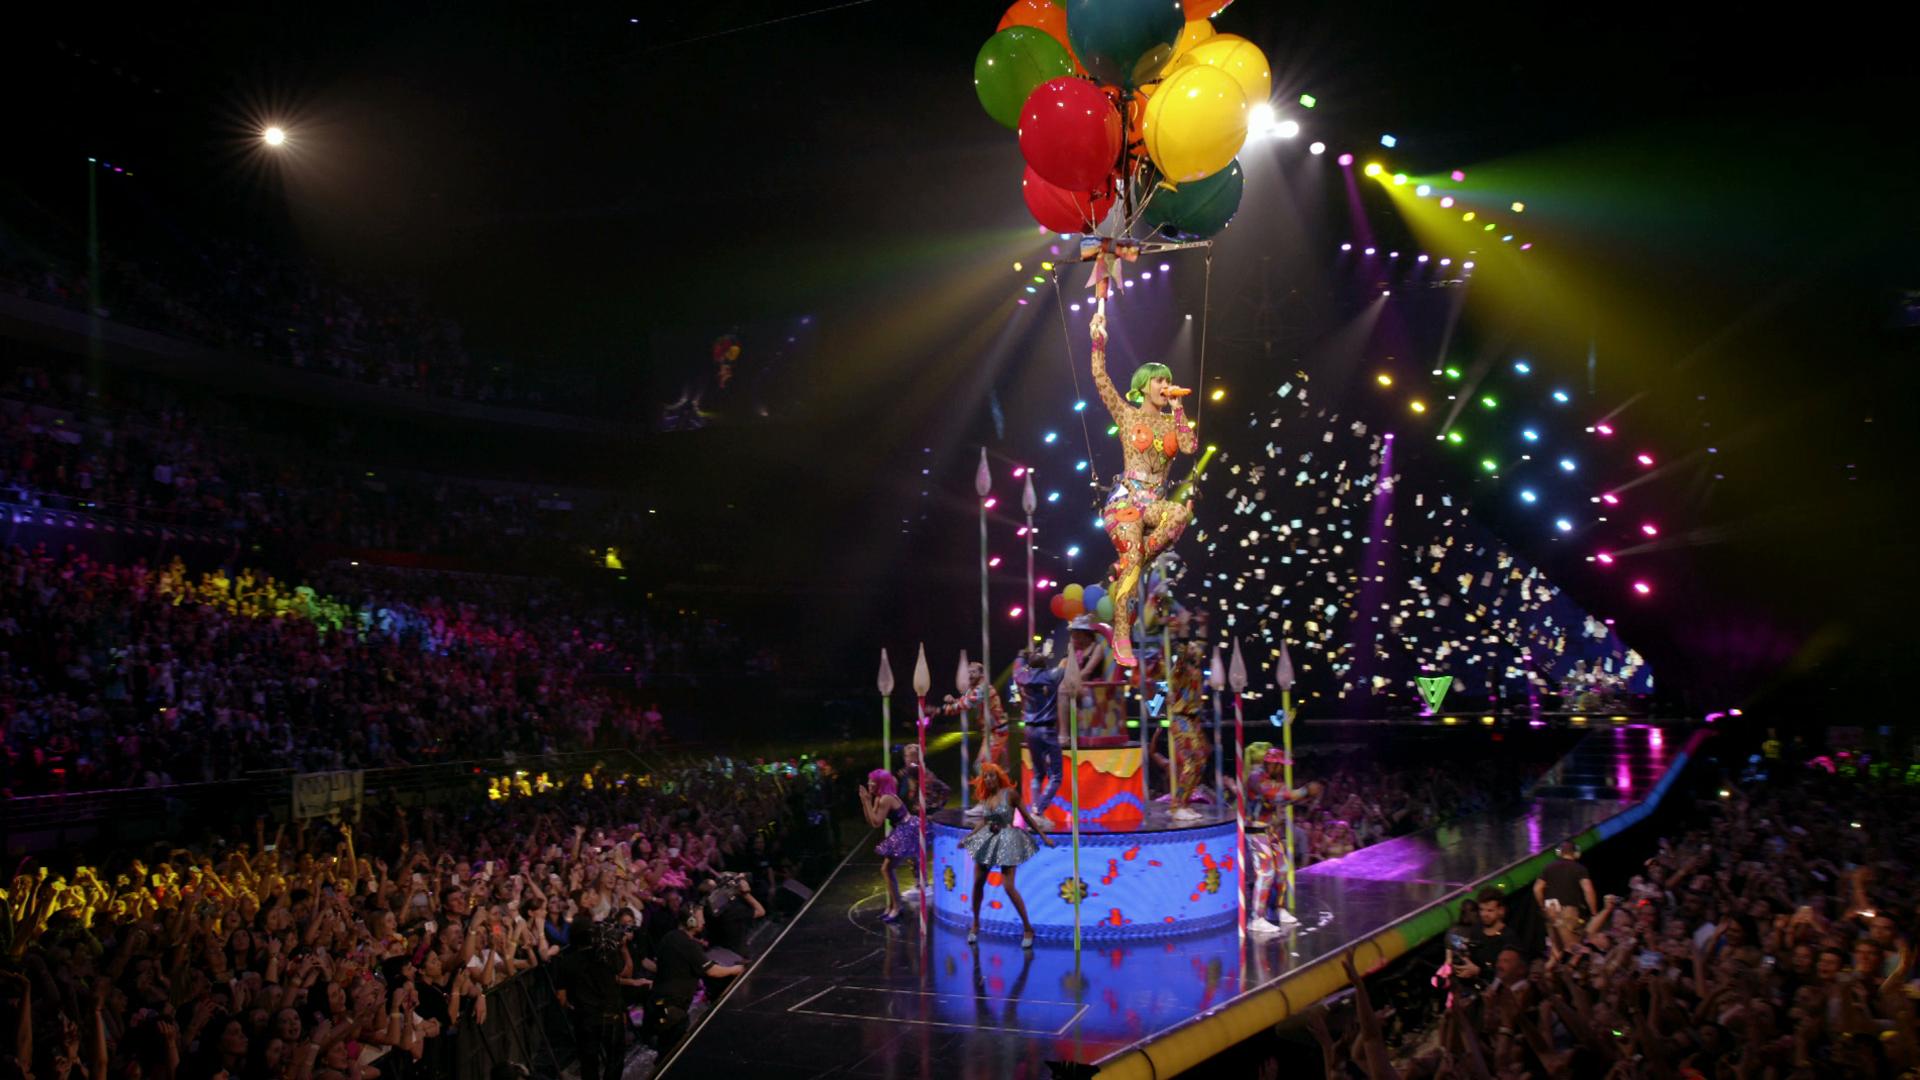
x: 1267, y: 848
x: 1139, y: 519
x: 884, y: 798
x: 993, y: 747
x: 1040, y: 704
x: 1007, y: 836
x: 1187, y: 742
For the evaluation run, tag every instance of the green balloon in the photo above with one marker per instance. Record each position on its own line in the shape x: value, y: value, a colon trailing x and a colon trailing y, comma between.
x: 1125, y: 42
x: 1011, y: 64
x: 1105, y: 609
x: 1196, y: 209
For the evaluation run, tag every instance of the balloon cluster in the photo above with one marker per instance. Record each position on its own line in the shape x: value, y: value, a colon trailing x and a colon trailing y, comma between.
x: 1131, y: 101
x: 1077, y: 600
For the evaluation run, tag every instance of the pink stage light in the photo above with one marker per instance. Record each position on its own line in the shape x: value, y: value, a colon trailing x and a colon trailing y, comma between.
x: 1649, y: 529
x: 1016, y: 611
x: 1346, y: 159
x: 1446, y: 201
x: 1021, y: 531
x: 1610, y: 499
x: 1019, y: 471
x: 991, y: 502
x: 1645, y: 459
x: 1603, y: 559
x: 1459, y: 177
x: 1604, y: 429
x: 1642, y: 588
x: 995, y: 561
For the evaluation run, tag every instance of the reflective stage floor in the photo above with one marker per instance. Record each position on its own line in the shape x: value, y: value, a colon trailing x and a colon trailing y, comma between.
x: 843, y: 994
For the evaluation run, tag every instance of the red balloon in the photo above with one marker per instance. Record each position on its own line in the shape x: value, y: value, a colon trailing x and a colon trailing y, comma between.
x: 1202, y: 9
x: 1070, y: 133
x: 1058, y: 605
x: 1064, y: 211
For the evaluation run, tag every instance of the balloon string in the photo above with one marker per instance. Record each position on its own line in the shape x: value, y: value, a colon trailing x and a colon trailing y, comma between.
x: 1066, y: 335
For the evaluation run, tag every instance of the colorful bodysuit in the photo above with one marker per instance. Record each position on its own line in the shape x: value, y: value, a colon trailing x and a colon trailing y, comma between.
x: 1189, y: 743
x: 1267, y: 797
x: 1139, y: 519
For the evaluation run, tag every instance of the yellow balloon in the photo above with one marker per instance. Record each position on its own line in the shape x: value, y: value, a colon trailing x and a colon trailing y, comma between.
x: 1195, y: 32
x: 1196, y: 123
x: 1239, y: 58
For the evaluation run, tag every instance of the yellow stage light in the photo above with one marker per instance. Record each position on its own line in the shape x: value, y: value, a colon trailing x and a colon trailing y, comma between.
x: 1374, y: 168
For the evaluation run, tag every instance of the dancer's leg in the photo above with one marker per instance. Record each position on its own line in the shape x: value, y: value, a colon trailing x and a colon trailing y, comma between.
x: 1127, y: 544
x: 1013, y: 894
x: 888, y: 870
x: 979, y: 893
x: 1165, y: 522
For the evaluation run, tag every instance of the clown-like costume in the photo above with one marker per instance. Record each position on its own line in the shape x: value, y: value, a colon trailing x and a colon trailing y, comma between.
x: 1267, y: 855
x: 993, y: 747
x: 1187, y: 742
x: 1139, y: 519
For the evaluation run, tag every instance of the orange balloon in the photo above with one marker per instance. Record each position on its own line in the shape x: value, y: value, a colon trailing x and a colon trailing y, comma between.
x: 1045, y: 16
x: 1199, y: 9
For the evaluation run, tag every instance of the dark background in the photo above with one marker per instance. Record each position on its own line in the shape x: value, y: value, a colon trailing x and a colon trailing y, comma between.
x: 596, y: 188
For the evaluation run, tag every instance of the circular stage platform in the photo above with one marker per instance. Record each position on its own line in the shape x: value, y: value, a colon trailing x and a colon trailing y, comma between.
x: 1149, y: 879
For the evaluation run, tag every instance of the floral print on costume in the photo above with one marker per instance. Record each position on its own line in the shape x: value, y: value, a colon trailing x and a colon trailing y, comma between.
x: 1138, y: 518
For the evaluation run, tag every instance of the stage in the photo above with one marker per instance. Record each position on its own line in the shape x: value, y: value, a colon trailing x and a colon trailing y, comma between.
x: 843, y: 994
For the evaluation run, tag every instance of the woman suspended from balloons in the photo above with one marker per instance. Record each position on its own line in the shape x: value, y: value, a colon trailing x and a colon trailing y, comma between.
x: 1139, y: 518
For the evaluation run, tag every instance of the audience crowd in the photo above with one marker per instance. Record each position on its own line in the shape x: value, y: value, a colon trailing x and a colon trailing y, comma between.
x: 240, y: 298
x: 126, y: 676
x: 330, y: 951
x: 1771, y: 937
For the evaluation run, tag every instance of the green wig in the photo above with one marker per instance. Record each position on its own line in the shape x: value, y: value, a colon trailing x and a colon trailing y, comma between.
x: 1144, y: 374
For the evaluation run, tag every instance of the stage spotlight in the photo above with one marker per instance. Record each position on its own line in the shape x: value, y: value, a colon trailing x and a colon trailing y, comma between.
x: 1446, y: 202
x: 1645, y: 460
x: 1455, y: 438
x: 1642, y: 588
x: 1453, y: 373
x: 1399, y: 179
x: 1049, y: 437
x: 1527, y: 496
x: 1489, y: 402
x: 1566, y: 464
x: 1287, y: 129
x: 1561, y: 396
x: 1418, y: 406
x: 1317, y: 149
x: 1189, y: 316
x: 1604, y: 429
x: 1468, y: 265
x: 274, y: 136
x: 1073, y: 552
x: 1383, y: 379
x: 1610, y: 499
x: 1346, y: 247
x: 1422, y: 258
x: 1530, y: 435
x: 1164, y: 267
x: 1521, y: 367
x: 1219, y: 395
x: 1603, y: 559
x: 1528, y: 246
x: 1468, y: 216
x: 1346, y: 159
x: 1423, y: 190
x: 1261, y: 119
x: 1519, y: 208
x: 1459, y: 177
x: 1308, y: 101
x: 1393, y: 254
x: 1489, y: 464
x: 1374, y: 168
x: 1079, y: 406
x: 1446, y: 262
x: 1650, y: 529
x: 1053, y: 496
x: 1369, y: 251
x: 1389, y: 141
x: 1563, y: 525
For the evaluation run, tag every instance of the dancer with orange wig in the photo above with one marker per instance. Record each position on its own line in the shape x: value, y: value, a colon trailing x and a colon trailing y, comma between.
x: 1002, y: 841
